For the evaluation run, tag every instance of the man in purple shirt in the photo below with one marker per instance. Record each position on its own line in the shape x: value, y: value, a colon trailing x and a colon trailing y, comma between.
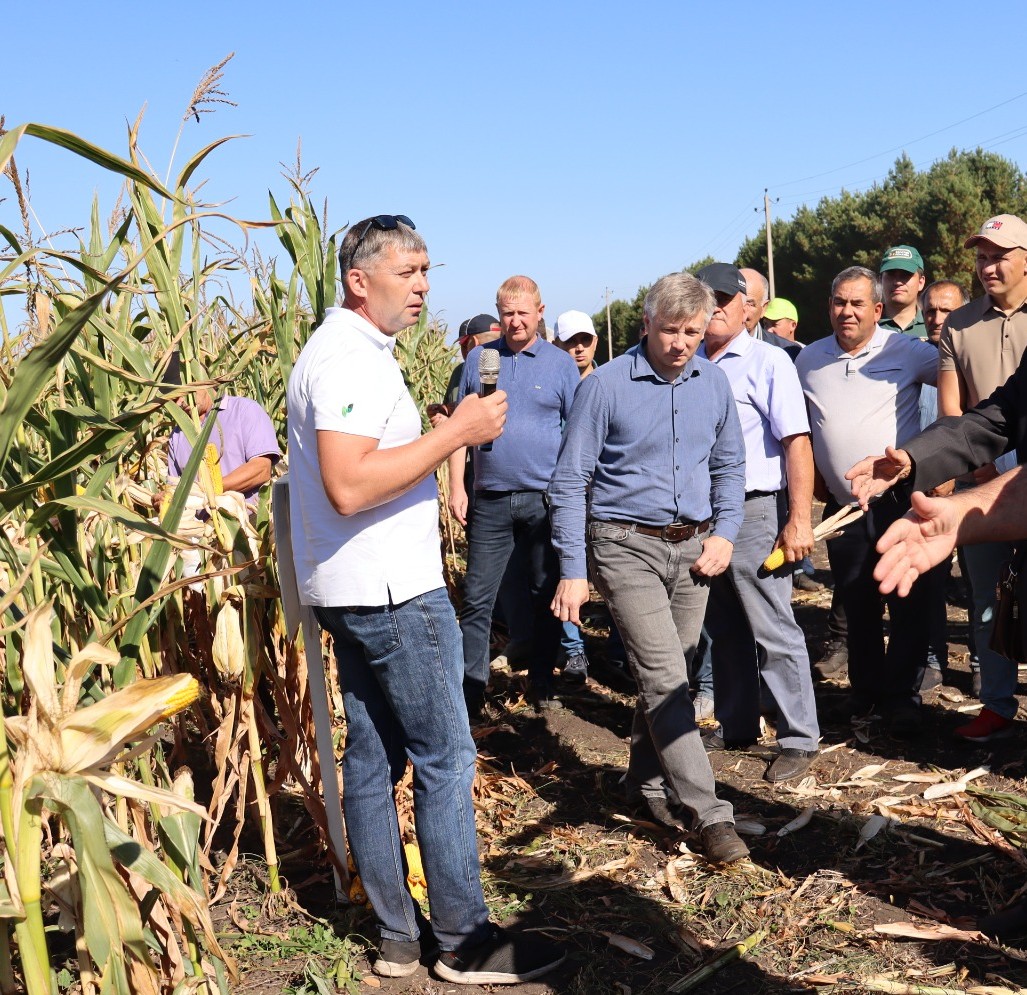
x: 244, y: 437
x: 656, y: 435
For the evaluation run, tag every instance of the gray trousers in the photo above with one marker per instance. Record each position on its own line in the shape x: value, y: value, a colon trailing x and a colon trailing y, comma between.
x: 659, y: 608
x: 755, y: 634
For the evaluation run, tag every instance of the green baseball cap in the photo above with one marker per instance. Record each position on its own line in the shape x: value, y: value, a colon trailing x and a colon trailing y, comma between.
x: 903, y: 257
x: 781, y: 307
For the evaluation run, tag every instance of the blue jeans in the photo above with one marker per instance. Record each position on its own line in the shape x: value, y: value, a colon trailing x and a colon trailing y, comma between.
x: 998, y: 675
x: 400, y: 673
x: 505, y: 521
x: 755, y: 635
x: 700, y: 670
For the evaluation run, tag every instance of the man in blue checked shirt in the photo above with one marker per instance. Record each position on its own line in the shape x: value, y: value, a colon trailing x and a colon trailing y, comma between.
x: 657, y: 435
x: 510, y: 480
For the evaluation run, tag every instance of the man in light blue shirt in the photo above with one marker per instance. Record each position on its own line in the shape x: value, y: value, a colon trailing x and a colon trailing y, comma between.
x: 510, y: 479
x: 749, y: 616
x: 656, y: 434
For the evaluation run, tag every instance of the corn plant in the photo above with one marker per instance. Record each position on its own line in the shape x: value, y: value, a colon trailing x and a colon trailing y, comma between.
x: 95, y: 608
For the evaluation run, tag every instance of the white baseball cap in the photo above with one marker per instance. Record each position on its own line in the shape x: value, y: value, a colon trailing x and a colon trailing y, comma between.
x: 572, y: 323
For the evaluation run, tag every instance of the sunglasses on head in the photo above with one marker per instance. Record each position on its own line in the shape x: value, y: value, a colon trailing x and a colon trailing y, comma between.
x: 383, y: 222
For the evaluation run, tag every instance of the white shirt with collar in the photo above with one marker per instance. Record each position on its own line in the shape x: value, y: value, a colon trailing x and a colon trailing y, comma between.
x: 770, y: 405
x: 859, y: 404
x: 347, y: 380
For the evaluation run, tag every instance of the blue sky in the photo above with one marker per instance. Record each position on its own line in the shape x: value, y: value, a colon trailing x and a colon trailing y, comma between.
x: 589, y: 145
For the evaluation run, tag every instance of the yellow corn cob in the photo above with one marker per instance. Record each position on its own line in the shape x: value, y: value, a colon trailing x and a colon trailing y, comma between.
x: 775, y: 560
x: 416, y: 882
x: 181, y: 699
x: 357, y: 895
x: 213, y: 461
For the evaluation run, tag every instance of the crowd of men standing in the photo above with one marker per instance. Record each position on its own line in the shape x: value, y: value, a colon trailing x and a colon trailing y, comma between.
x: 664, y: 478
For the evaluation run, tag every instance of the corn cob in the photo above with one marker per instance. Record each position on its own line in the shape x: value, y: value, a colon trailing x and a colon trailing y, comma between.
x: 212, y: 460
x: 416, y: 882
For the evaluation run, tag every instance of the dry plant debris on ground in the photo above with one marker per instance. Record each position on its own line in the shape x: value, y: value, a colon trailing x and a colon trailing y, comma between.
x: 873, y: 888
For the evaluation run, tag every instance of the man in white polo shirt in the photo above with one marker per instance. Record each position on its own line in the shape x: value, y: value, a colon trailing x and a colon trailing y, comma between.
x: 862, y: 387
x: 365, y: 535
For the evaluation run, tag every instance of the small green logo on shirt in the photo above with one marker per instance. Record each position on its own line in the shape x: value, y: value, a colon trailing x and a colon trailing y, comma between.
x: 346, y: 410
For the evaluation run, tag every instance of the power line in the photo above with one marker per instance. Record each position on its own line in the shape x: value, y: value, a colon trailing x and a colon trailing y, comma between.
x: 899, y: 148
x: 988, y: 143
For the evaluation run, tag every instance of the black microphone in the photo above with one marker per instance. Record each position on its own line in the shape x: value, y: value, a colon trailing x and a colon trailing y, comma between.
x: 488, y: 374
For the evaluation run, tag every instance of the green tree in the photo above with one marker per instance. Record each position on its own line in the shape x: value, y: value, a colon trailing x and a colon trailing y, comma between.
x: 933, y: 210
x: 625, y: 322
x: 626, y: 317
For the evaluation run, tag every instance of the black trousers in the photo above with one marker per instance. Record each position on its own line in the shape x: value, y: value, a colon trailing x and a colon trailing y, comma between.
x: 885, y: 678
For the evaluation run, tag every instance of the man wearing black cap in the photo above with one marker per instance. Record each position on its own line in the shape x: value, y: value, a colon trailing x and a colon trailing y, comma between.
x: 749, y: 616
x: 474, y: 331
x: 902, y: 279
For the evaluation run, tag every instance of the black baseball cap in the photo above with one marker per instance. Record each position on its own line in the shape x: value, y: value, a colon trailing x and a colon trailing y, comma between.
x: 476, y: 326
x: 723, y: 278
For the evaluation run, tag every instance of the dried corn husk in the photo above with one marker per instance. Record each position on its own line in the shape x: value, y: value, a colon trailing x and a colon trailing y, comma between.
x: 799, y: 822
x: 630, y: 946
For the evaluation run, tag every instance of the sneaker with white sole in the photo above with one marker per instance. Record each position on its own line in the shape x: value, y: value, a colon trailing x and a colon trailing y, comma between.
x: 703, y: 704
x: 399, y: 958
x: 503, y: 958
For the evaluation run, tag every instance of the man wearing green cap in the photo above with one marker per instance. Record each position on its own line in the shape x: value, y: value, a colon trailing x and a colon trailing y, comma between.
x: 781, y: 318
x: 902, y: 276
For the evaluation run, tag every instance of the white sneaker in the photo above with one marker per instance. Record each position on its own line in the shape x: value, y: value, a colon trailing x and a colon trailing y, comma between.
x: 703, y: 704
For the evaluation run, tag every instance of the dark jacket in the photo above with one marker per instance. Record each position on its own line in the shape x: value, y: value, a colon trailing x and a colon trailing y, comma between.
x: 956, y: 445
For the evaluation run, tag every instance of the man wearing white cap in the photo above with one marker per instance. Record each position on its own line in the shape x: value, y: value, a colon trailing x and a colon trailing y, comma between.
x: 981, y: 346
x: 576, y: 335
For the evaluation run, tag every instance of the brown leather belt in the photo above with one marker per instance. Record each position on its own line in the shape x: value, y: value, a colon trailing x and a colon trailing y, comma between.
x: 675, y: 532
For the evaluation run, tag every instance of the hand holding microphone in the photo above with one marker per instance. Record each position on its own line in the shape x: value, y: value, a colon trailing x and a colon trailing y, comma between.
x: 481, y: 416
x: 488, y: 375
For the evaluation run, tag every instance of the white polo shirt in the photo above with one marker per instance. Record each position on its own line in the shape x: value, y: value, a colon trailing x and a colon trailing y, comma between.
x: 860, y: 404
x: 770, y: 405
x: 347, y: 380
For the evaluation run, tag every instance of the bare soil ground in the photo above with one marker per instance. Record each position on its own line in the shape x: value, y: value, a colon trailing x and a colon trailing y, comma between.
x: 563, y: 855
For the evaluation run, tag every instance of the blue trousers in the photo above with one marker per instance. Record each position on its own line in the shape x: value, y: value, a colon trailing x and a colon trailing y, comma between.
x: 400, y: 673
x: 505, y: 521
x: 755, y: 635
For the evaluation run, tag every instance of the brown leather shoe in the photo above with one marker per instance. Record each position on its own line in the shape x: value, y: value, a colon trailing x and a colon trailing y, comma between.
x: 720, y: 844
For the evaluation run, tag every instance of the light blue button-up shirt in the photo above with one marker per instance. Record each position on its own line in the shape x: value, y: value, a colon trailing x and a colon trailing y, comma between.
x: 540, y: 382
x: 654, y: 451
x: 771, y: 405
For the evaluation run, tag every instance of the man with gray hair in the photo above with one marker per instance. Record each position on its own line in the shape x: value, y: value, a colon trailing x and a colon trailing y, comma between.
x: 757, y: 297
x: 365, y: 535
x: 862, y: 387
x: 656, y: 434
x: 755, y: 636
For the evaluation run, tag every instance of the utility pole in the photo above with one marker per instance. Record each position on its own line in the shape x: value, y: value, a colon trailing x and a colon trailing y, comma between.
x: 770, y: 242
x: 609, y: 325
